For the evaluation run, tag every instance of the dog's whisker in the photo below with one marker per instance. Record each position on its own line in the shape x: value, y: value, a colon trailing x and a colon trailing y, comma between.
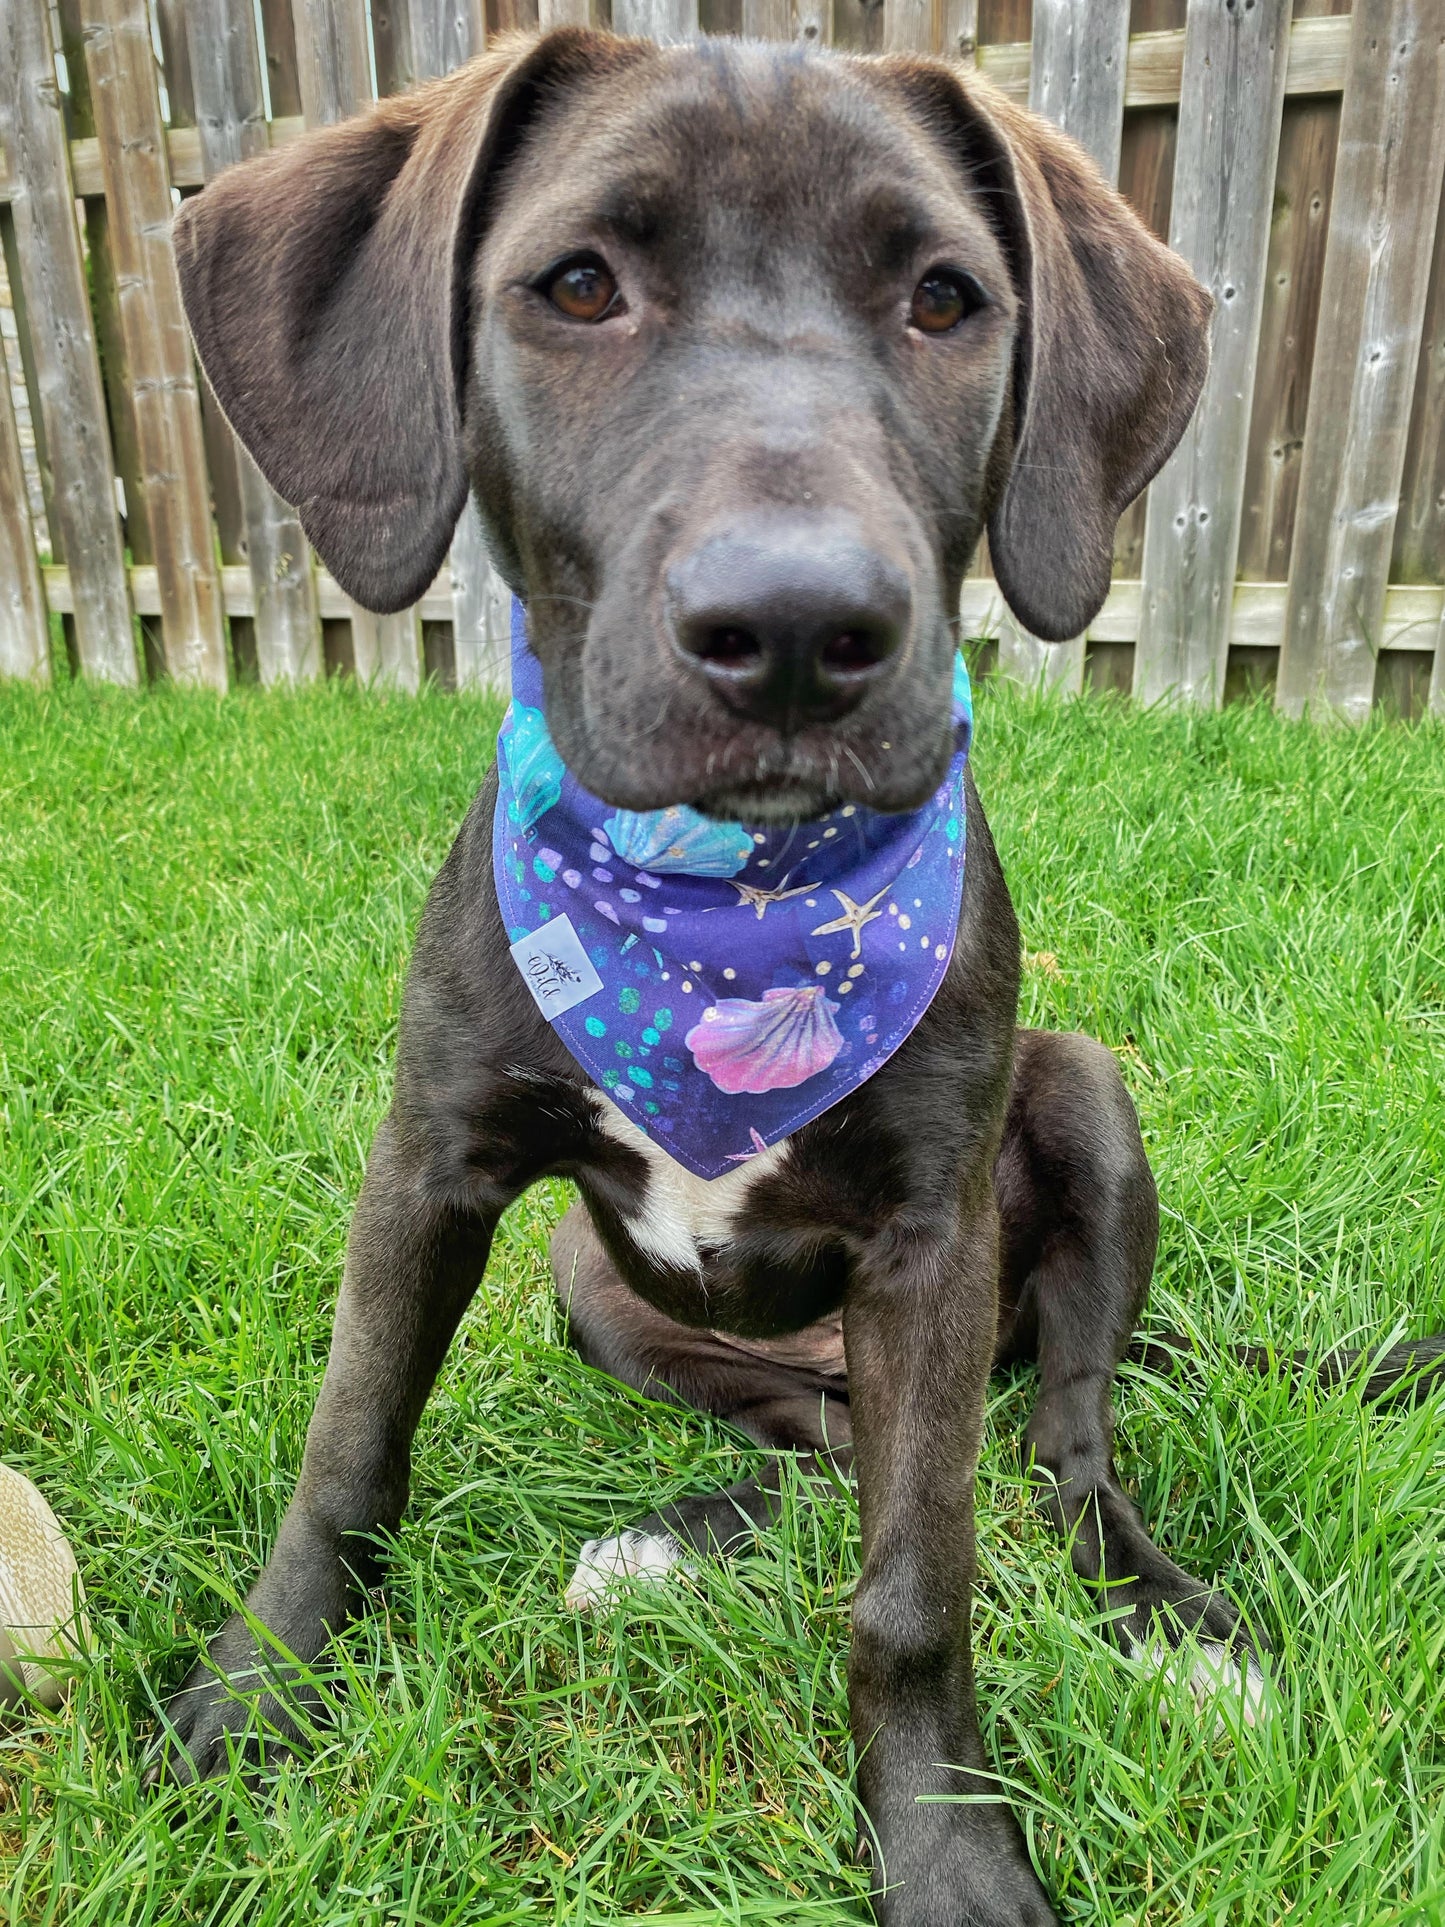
x: 863, y: 771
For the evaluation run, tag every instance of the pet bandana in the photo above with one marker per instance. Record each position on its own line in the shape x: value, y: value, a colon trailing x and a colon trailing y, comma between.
x: 722, y: 984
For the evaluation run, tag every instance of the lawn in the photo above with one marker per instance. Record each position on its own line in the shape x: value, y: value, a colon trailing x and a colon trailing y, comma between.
x: 206, y: 912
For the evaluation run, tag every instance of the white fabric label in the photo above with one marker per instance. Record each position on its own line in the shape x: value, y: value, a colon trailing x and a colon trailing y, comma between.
x: 555, y: 967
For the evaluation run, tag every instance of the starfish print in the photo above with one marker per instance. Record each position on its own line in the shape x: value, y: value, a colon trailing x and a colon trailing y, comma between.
x: 741, y: 1157
x: 760, y: 899
x: 854, y: 916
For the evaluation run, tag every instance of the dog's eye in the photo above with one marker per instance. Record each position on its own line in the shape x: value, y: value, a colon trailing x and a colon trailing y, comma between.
x: 942, y: 299
x: 583, y: 289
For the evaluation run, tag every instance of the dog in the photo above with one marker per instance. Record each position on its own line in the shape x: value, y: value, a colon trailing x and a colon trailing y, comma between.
x: 741, y: 349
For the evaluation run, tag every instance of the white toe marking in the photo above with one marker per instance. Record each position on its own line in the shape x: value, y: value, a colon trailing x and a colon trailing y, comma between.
x: 1215, y: 1677
x: 606, y: 1564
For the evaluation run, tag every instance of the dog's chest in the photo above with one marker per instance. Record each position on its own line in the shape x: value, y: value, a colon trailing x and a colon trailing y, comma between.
x: 676, y: 1216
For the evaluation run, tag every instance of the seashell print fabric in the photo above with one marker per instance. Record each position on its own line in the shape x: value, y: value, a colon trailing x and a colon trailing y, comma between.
x: 750, y: 977
x: 783, y: 1039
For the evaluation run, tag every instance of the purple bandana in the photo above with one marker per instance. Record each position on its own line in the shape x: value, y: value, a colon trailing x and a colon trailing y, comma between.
x: 723, y: 985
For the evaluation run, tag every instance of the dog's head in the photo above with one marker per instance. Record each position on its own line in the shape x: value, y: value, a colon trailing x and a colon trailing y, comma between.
x: 741, y: 348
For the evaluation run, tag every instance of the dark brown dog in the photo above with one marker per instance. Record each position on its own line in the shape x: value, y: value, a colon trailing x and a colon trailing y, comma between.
x: 776, y: 306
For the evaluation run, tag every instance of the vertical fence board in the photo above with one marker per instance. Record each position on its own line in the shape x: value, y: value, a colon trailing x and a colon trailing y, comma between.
x: 283, y: 76
x: 665, y: 20
x: 564, y: 13
x: 1420, y: 532
x: 175, y: 56
x: 815, y: 22
x: 1437, y: 674
x: 1232, y: 97
x: 854, y: 24
x: 908, y: 26
x: 24, y: 629
x: 511, y: 16
x: 1004, y: 20
x: 334, y: 69
x: 1304, y: 181
x: 81, y: 490
x: 29, y: 373
x: 121, y: 66
x: 1146, y: 180
x: 225, y: 68
x: 388, y: 47
x: 809, y: 21
x: 105, y: 315
x: 1076, y: 78
x: 768, y: 19
x: 426, y: 38
x: 960, y: 30
x: 435, y: 36
x: 223, y: 452
x: 332, y: 63
x: 1080, y: 52
x: 1377, y: 264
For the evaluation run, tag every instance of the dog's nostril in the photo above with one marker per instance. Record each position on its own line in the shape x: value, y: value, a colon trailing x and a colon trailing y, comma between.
x: 855, y: 651
x: 723, y: 648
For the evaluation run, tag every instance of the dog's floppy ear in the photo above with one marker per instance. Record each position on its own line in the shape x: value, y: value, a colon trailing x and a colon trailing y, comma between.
x: 1112, y: 352
x: 326, y: 285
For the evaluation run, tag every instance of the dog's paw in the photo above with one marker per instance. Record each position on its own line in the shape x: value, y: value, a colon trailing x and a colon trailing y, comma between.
x: 606, y: 1564
x: 231, y: 1706
x: 1223, y: 1680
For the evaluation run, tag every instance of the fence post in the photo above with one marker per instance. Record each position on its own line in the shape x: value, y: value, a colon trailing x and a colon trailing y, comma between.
x: 334, y: 67
x: 1231, y: 107
x: 225, y: 71
x: 1079, y: 59
x: 71, y: 401
x: 1372, y: 303
x: 24, y: 629
x: 134, y: 165
x: 434, y: 36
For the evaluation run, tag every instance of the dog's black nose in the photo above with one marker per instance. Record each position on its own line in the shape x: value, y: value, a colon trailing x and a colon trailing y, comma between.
x: 790, y: 621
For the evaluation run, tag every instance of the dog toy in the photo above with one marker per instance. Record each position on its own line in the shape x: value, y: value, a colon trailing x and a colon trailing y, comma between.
x: 43, y: 1628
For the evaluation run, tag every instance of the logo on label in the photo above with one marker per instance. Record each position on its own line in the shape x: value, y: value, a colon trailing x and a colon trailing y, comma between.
x: 555, y: 967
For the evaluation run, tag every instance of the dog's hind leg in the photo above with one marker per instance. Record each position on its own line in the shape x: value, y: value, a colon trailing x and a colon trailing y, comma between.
x: 1080, y: 1223
x: 787, y: 1407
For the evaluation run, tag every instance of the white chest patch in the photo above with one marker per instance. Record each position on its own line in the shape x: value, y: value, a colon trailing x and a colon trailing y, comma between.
x: 677, y: 1211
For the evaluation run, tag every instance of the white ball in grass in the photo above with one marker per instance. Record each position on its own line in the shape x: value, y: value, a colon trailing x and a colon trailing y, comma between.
x: 42, y: 1600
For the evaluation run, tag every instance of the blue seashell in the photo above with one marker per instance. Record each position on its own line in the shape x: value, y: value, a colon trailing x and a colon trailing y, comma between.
x: 534, y: 769
x: 962, y: 691
x: 679, y: 842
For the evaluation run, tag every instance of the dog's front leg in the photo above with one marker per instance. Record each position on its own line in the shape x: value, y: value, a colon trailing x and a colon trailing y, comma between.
x: 413, y: 1260
x: 919, y: 1327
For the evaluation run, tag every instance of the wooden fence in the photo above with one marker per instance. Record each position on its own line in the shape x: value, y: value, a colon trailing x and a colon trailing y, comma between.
x: 1292, y: 153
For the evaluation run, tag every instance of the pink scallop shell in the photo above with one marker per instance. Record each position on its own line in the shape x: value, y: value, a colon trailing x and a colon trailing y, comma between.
x: 783, y: 1040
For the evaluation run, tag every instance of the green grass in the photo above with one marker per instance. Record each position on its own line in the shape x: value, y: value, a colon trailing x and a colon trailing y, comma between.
x: 206, y: 912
